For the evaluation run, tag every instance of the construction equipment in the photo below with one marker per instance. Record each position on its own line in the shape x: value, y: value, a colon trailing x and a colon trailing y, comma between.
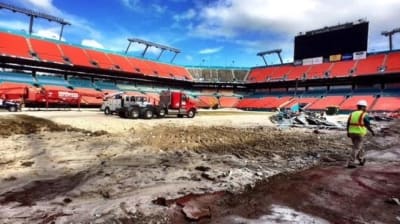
x: 114, y: 103
x: 137, y: 105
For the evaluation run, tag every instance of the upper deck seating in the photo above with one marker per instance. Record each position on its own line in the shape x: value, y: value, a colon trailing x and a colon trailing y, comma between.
x: 342, y: 69
x: 47, y: 51
x: 77, y: 56
x: 370, y: 66
x: 100, y: 59
x: 393, y: 62
x: 319, y: 71
x: 14, y: 45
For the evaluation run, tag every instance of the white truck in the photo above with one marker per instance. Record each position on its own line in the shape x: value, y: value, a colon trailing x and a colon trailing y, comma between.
x: 114, y: 102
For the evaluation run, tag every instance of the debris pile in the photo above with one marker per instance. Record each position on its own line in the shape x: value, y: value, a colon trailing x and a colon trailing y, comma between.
x: 305, y: 119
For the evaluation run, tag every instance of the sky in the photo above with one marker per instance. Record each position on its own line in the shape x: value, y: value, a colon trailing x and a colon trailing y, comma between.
x: 208, y: 32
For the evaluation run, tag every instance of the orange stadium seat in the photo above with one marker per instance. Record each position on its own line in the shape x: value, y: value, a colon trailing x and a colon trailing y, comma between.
x: 14, y: 45
x: 393, y: 62
x: 47, y: 51
x: 264, y: 102
x: 370, y: 66
x: 180, y: 72
x: 391, y: 104
x: 260, y: 74
x: 100, y: 59
x: 247, y: 103
x: 327, y: 101
x: 341, y: 69
x: 307, y: 101
x: 76, y: 55
x: 141, y: 66
x: 350, y: 103
x: 281, y: 71
x: 211, y: 101
x: 121, y: 62
x: 298, y: 72
x: 318, y: 71
x: 228, y: 101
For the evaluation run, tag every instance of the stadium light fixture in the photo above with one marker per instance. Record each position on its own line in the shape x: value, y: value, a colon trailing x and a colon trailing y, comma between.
x: 149, y: 44
x: 33, y: 14
x: 275, y: 51
x: 390, y: 35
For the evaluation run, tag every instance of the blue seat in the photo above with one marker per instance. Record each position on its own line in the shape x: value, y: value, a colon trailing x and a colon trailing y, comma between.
x: 52, y: 80
x: 17, y: 77
x: 81, y: 83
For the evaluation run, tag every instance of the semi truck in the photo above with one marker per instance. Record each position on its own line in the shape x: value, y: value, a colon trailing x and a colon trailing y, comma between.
x: 134, y: 106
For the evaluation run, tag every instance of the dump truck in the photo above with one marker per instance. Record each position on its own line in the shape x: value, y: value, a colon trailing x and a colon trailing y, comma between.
x: 135, y: 106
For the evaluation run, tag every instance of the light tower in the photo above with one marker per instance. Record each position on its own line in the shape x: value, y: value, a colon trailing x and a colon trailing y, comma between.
x: 390, y: 35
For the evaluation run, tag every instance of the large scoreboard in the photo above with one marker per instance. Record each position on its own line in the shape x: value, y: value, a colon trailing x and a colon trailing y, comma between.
x: 341, y: 39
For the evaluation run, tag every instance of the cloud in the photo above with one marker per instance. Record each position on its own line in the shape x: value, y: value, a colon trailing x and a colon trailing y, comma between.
x: 160, y: 9
x: 92, y: 43
x: 236, y: 18
x: 50, y: 33
x: 189, y: 58
x: 131, y: 4
x: 189, y: 14
x: 210, y: 50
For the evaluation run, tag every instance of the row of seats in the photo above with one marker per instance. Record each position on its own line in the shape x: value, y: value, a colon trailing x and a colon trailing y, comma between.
x: 373, y: 64
x: 33, y: 48
x: 382, y: 103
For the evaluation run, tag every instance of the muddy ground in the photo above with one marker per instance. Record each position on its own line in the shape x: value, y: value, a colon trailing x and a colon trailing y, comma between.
x: 82, y: 167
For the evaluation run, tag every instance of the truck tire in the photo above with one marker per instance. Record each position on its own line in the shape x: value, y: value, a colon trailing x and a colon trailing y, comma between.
x: 191, y: 113
x: 122, y: 113
x: 134, y: 113
x: 107, y: 111
x: 162, y: 113
x: 13, y: 109
x: 148, y: 114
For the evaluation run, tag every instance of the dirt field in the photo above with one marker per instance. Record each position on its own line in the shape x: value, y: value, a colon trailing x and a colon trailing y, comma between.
x: 83, y: 166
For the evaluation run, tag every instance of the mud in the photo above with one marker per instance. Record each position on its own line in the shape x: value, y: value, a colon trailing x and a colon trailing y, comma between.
x: 327, y: 193
x: 61, y: 173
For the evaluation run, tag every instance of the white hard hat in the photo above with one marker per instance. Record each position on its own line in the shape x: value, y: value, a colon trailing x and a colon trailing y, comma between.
x: 362, y: 103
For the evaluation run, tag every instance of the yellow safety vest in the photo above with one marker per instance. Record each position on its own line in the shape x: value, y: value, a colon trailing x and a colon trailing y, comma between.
x: 357, y: 125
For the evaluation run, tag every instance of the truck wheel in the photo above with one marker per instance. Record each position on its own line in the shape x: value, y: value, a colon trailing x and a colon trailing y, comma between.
x: 191, y: 114
x: 134, y: 113
x: 107, y: 111
x: 13, y: 109
x: 148, y: 114
x: 161, y: 113
x: 121, y: 114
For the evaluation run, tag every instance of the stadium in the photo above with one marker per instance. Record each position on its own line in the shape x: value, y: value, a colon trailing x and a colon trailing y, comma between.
x: 266, y: 144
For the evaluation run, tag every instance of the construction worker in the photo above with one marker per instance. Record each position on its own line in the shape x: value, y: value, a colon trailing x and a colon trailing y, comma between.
x: 357, y: 126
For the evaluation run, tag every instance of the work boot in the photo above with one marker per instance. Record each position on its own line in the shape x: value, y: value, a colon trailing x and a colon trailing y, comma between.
x: 362, y: 162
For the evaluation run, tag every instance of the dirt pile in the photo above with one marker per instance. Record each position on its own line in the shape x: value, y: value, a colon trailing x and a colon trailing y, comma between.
x: 24, y: 124
x: 242, y: 142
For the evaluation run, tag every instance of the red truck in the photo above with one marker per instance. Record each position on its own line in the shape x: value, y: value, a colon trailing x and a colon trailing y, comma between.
x: 171, y: 103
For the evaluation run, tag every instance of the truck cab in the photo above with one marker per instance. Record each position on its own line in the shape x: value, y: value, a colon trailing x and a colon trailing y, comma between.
x: 177, y: 103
